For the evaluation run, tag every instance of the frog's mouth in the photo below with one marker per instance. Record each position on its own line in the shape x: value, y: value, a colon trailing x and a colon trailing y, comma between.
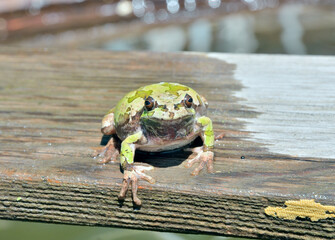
x: 168, y: 129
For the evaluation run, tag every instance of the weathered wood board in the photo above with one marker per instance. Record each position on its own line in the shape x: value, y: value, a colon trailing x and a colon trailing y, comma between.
x: 277, y: 114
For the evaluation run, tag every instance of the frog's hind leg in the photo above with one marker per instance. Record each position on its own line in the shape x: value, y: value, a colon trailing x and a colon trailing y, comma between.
x: 107, y: 124
x: 110, y: 151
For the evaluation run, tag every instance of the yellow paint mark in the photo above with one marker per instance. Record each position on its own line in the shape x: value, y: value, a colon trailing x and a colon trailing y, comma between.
x: 304, y: 208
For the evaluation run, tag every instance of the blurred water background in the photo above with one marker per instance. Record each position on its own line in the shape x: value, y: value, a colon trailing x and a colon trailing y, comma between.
x: 235, y: 26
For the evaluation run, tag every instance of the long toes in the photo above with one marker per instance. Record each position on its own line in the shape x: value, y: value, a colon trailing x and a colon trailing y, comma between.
x: 115, y: 154
x: 148, y: 178
x: 198, y: 169
x: 134, y: 187
x: 220, y: 136
x: 136, y: 200
x: 141, y: 175
x: 103, y: 160
x: 210, y: 167
x: 103, y: 157
x: 141, y: 169
x: 190, y: 162
x: 124, y: 190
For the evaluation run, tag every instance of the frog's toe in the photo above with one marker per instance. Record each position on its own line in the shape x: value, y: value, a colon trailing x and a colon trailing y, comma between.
x: 134, y: 187
x: 210, y: 164
x: 190, y: 162
x: 141, y: 175
x: 124, y: 189
x: 197, y: 170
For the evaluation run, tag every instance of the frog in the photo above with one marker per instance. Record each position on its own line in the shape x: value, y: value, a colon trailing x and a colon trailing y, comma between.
x: 157, y: 118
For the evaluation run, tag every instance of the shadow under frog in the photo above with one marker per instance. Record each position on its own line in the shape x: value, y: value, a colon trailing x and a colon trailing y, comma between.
x: 163, y: 159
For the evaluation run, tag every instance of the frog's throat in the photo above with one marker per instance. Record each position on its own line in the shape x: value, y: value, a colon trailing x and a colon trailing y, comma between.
x: 168, y: 129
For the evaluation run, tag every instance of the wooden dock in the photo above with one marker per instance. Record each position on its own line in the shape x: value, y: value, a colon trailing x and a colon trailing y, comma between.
x: 274, y: 168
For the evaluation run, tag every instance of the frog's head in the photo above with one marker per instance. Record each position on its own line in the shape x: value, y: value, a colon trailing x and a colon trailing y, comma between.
x: 166, y: 110
x: 170, y: 109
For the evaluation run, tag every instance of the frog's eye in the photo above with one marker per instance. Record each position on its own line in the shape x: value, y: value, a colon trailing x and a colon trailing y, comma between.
x: 188, y: 101
x: 149, y: 103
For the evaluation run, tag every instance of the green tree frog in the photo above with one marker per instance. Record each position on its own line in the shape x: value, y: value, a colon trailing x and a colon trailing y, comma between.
x: 155, y: 118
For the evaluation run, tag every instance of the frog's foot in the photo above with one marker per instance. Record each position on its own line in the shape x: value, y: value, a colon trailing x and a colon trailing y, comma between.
x: 204, y: 158
x: 220, y: 136
x: 131, y: 176
x: 106, y: 155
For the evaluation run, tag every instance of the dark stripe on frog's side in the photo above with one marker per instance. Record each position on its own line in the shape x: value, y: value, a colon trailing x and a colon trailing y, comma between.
x: 168, y: 130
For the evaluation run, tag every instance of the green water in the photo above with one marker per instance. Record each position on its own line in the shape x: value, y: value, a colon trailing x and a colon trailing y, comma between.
x: 15, y: 230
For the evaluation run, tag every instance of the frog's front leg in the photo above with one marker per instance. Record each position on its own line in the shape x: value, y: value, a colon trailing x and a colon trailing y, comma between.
x: 205, y: 154
x: 132, y: 173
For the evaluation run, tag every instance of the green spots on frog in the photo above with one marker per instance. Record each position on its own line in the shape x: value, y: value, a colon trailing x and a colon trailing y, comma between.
x: 123, y: 117
x: 174, y: 88
x: 140, y: 94
x: 163, y: 108
x: 177, y: 106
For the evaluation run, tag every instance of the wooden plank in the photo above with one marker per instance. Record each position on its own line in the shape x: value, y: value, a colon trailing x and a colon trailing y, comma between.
x: 276, y: 112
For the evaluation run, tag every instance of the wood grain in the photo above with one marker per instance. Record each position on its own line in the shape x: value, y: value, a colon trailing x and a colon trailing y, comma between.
x: 51, y: 104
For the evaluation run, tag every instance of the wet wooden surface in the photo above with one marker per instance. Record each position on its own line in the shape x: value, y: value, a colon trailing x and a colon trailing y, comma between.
x: 51, y: 105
